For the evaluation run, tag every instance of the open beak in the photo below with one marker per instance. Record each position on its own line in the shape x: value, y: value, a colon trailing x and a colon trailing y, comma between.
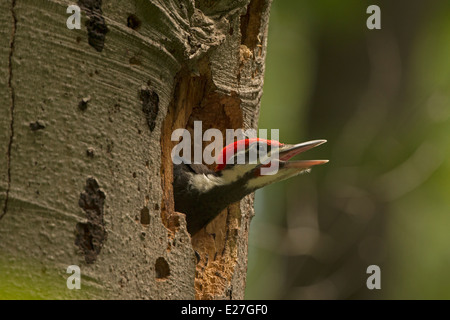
x: 288, y: 151
x: 279, y: 168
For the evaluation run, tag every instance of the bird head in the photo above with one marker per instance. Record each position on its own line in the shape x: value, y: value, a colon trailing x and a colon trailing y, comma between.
x: 242, y: 167
x: 259, y: 162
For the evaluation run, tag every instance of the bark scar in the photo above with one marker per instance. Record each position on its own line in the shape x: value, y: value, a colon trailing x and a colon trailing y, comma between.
x: 150, y: 106
x: 91, y: 235
x: 12, y: 105
x: 96, y: 24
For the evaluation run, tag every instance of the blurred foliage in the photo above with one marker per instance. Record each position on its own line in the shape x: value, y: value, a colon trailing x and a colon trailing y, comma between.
x: 30, y: 279
x: 382, y: 100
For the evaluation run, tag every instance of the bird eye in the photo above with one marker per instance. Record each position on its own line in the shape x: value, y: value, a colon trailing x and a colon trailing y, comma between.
x: 261, y: 147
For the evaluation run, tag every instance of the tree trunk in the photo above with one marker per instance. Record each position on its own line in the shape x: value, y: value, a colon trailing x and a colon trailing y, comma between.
x: 86, y: 118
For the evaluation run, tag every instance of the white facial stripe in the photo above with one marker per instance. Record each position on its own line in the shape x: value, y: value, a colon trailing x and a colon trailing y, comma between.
x: 203, y: 182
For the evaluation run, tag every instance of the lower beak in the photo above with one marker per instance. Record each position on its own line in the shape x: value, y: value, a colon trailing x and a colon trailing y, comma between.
x: 302, y: 164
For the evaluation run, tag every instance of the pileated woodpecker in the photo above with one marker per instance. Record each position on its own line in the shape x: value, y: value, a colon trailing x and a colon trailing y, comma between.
x: 202, y: 194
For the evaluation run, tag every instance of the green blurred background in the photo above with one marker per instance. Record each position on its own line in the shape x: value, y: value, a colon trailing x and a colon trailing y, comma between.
x: 382, y: 100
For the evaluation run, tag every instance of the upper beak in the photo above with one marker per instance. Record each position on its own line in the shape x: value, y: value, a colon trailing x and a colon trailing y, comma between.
x: 287, y: 151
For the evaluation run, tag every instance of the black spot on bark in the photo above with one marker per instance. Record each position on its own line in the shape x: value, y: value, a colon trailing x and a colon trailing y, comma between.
x: 38, y: 125
x: 145, y: 216
x: 90, y: 152
x: 150, y: 106
x: 109, y: 147
x: 91, y: 235
x: 83, y: 104
x: 135, y: 61
x: 96, y: 24
x: 162, y: 268
x: 133, y: 22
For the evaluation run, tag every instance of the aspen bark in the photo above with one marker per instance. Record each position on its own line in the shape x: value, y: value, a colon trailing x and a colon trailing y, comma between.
x: 85, y: 122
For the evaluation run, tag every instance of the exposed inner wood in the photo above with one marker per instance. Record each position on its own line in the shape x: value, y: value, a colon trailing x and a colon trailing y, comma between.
x: 196, y: 99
